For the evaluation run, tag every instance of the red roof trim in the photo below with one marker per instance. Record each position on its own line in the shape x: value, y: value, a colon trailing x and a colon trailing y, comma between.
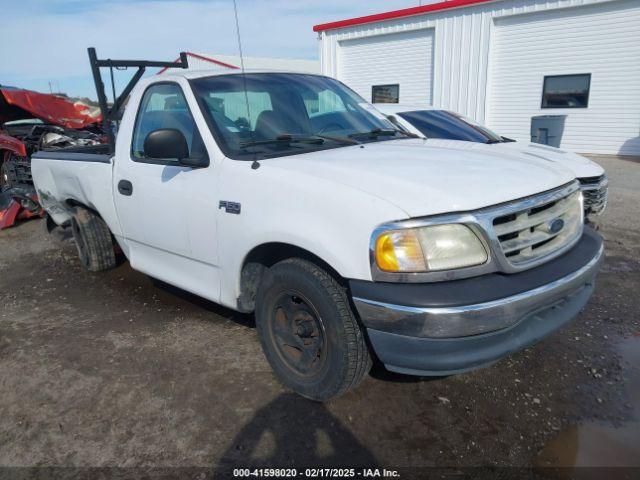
x: 206, y: 59
x: 405, y: 12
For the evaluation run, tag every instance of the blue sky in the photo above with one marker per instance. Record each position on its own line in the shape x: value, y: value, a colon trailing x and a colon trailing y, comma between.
x: 44, y: 41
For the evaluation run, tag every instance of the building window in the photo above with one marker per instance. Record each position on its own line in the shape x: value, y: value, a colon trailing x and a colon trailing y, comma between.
x: 385, y: 93
x: 566, y: 91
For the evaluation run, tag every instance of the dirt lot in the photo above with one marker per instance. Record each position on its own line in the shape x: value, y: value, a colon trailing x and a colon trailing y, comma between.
x: 113, y: 370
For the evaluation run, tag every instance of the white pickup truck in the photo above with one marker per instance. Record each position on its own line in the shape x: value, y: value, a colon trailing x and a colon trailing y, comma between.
x: 289, y: 196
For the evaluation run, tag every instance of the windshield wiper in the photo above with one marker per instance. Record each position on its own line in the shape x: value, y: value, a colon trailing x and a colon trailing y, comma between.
x: 379, y: 132
x: 499, y: 140
x: 288, y: 138
x: 348, y: 140
x: 375, y: 133
x: 285, y: 139
x: 409, y: 134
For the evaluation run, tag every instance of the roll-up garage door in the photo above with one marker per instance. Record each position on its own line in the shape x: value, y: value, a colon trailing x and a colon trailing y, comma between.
x: 599, y: 43
x: 403, y: 59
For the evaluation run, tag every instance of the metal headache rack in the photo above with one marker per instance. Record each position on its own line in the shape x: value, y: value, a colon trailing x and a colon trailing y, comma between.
x: 111, y: 114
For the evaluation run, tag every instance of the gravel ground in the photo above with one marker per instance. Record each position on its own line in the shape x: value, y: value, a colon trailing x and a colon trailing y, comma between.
x: 113, y: 369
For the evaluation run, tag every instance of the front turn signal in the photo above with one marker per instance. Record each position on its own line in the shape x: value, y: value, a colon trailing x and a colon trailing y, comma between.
x: 399, y: 251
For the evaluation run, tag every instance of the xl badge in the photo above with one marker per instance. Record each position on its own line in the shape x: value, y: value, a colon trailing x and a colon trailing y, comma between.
x: 555, y: 225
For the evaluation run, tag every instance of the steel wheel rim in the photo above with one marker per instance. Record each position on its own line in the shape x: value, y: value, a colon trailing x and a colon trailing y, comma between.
x: 297, y: 333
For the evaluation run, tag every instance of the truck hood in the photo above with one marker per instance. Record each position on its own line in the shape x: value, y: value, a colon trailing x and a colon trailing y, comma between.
x: 424, y: 179
x: 581, y: 167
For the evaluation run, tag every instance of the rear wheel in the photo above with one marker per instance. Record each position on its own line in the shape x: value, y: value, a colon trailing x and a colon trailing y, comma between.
x: 93, y: 241
x: 308, y: 331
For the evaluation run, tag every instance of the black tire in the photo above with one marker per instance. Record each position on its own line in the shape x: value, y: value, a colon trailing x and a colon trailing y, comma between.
x: 296, y: 298
x: 93, y: 240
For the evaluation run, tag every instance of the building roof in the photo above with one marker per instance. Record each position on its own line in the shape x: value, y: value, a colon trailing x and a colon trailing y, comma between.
x: 405, y: 12
x: 232, y: 62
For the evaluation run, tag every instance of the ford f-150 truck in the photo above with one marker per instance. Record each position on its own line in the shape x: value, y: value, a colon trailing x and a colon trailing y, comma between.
x: 289, y: 196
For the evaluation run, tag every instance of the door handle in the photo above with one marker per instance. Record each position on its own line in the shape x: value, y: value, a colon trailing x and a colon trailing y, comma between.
x: 125, y: 187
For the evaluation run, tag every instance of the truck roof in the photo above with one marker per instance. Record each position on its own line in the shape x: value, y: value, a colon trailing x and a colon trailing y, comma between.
x: 191, y: 74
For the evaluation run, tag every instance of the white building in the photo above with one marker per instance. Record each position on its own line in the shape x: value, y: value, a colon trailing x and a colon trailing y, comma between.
x: 501, y: 62
x: 214, y: 62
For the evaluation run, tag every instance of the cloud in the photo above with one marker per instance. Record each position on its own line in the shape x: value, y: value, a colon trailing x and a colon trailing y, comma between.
x: 42, y: 40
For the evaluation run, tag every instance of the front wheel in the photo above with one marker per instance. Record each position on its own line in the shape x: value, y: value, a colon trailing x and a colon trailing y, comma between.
x: 308, y: 331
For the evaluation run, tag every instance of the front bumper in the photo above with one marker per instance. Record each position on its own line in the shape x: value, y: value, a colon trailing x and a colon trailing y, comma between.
x: 434, y: 331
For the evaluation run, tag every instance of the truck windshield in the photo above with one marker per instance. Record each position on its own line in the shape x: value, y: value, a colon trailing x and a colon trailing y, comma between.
x: 450, y: 126
x: 262, y: 115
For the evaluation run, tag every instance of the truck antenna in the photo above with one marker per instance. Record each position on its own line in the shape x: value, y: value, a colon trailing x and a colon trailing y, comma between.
x: 255, y: 165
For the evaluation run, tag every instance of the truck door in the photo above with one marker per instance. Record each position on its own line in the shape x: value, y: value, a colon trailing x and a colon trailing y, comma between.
x: 168, y: 211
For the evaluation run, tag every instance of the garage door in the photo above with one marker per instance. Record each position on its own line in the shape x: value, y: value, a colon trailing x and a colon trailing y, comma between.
x: 404, y: 59
x: 598, y: 43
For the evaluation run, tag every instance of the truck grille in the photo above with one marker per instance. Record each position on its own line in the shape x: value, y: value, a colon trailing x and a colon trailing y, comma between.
x: 540, y: 230
x: 595, y: 192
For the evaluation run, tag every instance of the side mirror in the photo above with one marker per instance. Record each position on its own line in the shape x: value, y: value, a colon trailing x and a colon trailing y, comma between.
x: 166, y: 143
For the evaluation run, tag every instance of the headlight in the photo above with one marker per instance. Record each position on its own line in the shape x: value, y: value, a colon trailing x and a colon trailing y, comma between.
x: 427, y: 249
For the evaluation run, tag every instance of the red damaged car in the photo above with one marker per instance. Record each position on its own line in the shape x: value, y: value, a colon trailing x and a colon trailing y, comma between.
x: 30, y: 122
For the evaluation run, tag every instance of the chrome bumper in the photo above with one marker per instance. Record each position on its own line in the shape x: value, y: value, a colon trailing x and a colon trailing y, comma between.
x: 467, y: 320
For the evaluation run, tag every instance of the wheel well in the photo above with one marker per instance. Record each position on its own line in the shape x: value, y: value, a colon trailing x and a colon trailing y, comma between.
x: 72, y: 204
x: 265, y: 256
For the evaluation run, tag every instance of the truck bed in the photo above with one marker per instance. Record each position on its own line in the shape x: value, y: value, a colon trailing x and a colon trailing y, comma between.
x: 69, y: 177
x: 86, y: 153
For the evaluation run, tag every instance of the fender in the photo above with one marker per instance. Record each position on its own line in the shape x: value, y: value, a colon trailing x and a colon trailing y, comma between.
x: 12, y: 145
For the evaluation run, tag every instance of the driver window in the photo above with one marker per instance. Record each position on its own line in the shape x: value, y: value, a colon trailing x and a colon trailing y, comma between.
x: 164, y: 106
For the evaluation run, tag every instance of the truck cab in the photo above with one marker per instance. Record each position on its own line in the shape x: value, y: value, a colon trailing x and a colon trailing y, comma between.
x: 288, y: 195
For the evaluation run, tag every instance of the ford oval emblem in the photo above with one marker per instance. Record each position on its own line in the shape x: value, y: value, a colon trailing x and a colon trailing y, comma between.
x: 556, y: 225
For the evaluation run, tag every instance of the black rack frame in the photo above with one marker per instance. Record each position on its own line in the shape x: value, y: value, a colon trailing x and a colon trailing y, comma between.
x: 110, y: 115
